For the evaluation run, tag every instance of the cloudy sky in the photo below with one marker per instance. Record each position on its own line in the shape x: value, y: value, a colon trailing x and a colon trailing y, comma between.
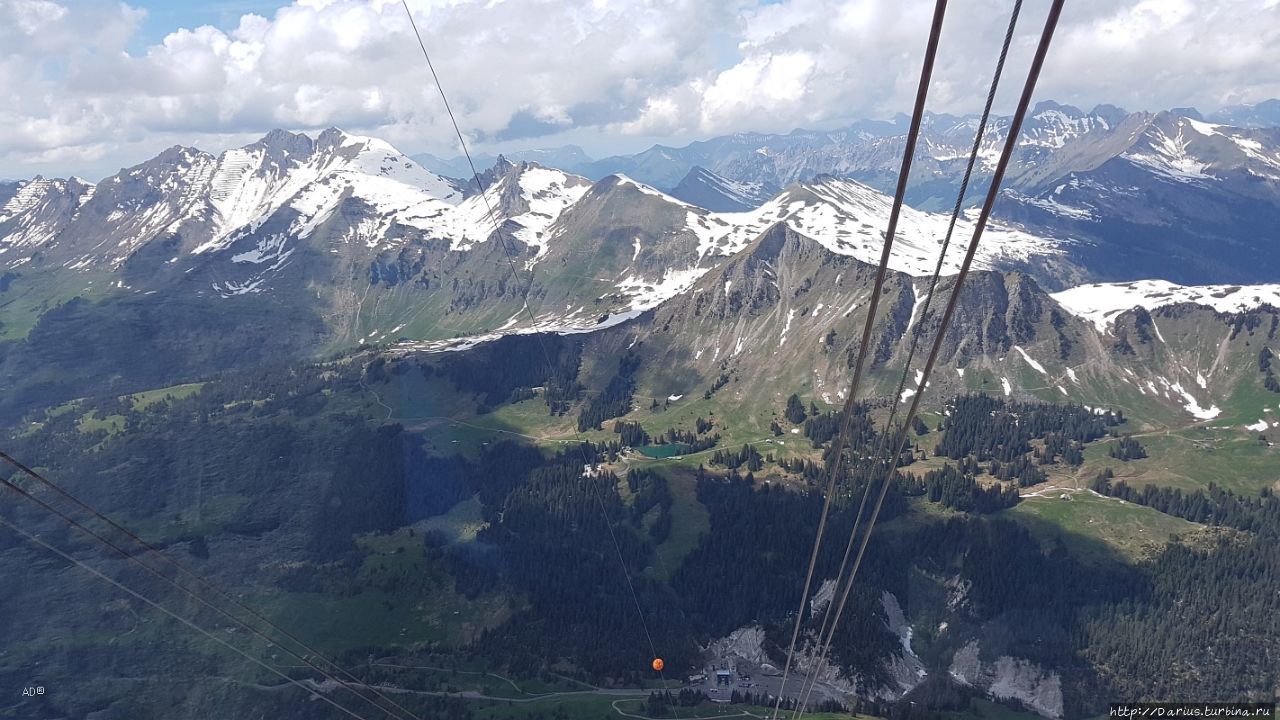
x: 89, y: 86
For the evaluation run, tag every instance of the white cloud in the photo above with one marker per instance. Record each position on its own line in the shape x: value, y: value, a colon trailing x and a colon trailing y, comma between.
x: 73, y: 99
x: 759, y: 87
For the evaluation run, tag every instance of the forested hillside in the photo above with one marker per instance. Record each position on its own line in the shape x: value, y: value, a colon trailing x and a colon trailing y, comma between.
x: 354, y: 488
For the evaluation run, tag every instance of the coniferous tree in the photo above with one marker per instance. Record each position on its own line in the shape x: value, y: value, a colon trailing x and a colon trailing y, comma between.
x: 632, y: 434
x: 1127, y: 449
x: 794, y: 413
x: 918, y: 426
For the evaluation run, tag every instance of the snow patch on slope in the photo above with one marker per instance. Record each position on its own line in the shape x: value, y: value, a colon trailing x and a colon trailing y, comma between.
x: 921, y: 299
x: 649, y: 190
x: 645, y: 294
x: 548, y: 193
x: 1099, y: 303
x: 1189, y: 402
x: 1039, y: 368
x: 790, y: 316
x: 1170, y: 156
x: 849, y: 218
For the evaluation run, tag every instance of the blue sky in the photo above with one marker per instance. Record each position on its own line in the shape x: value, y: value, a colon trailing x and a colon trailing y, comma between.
x: 164, y: 16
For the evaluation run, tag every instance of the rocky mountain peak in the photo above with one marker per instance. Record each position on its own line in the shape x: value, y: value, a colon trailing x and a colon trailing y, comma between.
x: 1112, y: 114
x: 1047, y: 106
x: 769, y: 245
x: 502, y: 165
x: 337, y: 142
x: 285, y: 143
x: 706, y: 189
x: 174, y: 155
x: 502, y: 168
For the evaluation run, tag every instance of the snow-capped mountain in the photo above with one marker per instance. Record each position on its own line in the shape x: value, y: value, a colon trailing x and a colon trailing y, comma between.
x: 570, y: 158
x: 382, y: 248
x: 528, y: 196
x: 292, y: 246
x: 1056, y: 140
x: 210, y: 202
x: 708, y: 190
x: 1164, y: 194
x: 786, y: 311
x: 848, y: 218
x: 248, y: 208
x: 871, y: 152
x: 1186, y: 149
x: 635, y: 246
x: 356, y: 237
x: 33, y: 212
x: 1180, y: 199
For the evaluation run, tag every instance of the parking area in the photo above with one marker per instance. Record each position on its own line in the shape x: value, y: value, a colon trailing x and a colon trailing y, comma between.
x: 721, y: 679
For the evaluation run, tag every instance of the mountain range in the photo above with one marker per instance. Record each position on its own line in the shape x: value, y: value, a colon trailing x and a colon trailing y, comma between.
x: 870, y: 150
x: 318, y: 245
x: 1170, y: 194
x: 351, y: 225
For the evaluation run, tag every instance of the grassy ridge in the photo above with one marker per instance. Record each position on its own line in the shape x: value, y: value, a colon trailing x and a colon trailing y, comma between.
x: 1113, y: 529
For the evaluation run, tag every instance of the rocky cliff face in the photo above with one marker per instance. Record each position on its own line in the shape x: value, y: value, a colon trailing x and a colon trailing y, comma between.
x: 906, y: 668
x: 1009, y: 678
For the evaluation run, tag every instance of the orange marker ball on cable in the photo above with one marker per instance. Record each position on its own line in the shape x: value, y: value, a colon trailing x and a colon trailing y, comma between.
x: 658, y: 664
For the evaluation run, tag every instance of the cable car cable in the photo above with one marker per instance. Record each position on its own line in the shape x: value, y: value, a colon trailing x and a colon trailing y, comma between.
x: 524, y: 297
x: 94, y: 571
x: 197, y: 577
x: 1011, y: 140
x: 837, y: 447
x: 124, y: 553
x: 917, y: 331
